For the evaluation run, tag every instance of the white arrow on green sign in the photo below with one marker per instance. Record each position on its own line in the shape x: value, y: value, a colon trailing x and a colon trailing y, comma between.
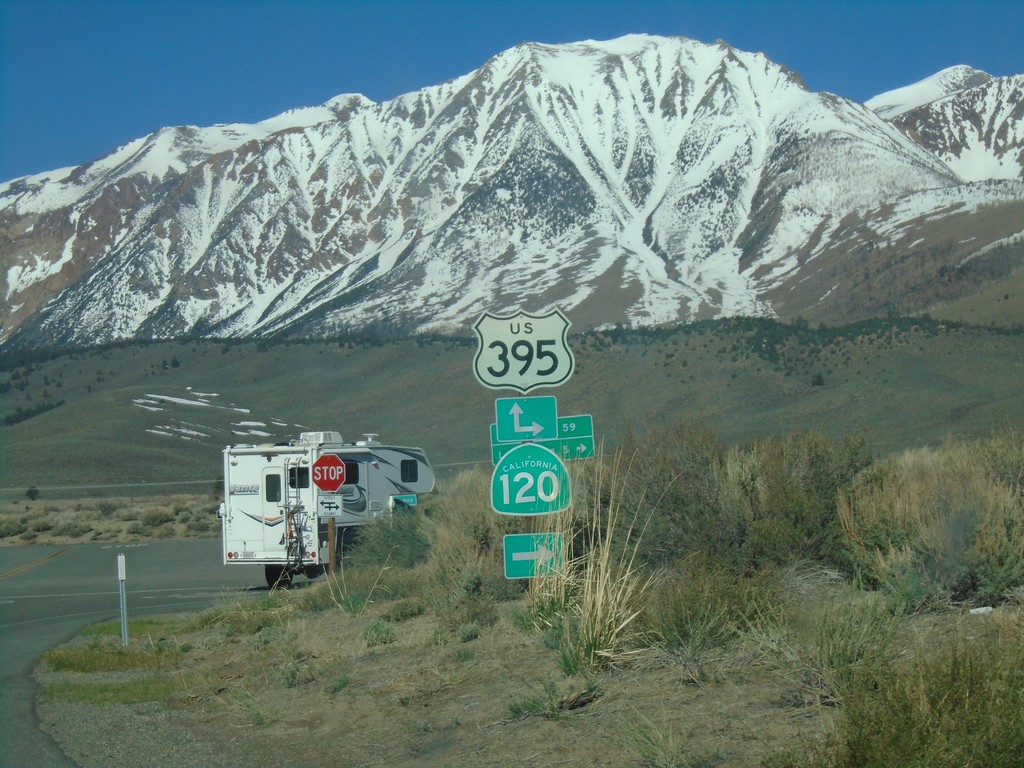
x: 575, y: 439
x: 530, y: 480
x: 526, y: 418
x: 528, y: 555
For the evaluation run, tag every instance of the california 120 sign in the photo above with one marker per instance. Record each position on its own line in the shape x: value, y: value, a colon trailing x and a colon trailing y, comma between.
x: 523, y: 351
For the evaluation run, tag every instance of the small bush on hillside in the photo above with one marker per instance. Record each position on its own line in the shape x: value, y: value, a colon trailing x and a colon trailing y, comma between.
x: 938, y: 524
x: 750, y: 507
x: 202, y: 523
x: 398, y: 540
x: 963, y: 705
x: 779, y: 496
x: 355, y: 588
x: 466, y: 571
x: 12, y: 526
x: 107, y: 508
x: 157, y: 517
x: 71, y: 528
x: 671, y: 479
x: 379, y: 632
x: 41, y: 524
x: 405, y: 609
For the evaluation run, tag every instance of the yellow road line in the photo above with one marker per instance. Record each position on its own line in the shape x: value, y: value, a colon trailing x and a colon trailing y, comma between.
x: 27, y: 566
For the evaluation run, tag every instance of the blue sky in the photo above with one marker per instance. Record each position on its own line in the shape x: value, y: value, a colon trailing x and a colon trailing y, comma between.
x: 78, y: 79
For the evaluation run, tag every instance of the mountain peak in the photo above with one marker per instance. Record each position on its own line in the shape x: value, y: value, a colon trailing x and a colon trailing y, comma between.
x: 944, y: 83
x: 642, y: 180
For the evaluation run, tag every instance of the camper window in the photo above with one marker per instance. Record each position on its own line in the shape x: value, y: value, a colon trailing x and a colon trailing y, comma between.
x: 351, y: 473
x: 272, y: 491
x: 410, y: 471
x: 298, y: 477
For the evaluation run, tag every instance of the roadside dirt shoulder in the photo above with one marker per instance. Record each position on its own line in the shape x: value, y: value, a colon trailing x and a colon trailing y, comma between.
x: 315, y: 692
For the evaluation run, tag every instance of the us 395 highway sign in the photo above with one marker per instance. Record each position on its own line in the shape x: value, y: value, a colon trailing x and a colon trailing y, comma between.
x: 523, y: 351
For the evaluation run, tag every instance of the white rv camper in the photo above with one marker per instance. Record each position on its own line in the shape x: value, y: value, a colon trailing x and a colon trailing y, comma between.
x: 280, y: 500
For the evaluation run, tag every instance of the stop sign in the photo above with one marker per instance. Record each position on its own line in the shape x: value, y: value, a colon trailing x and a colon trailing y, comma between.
x: 328, y: 473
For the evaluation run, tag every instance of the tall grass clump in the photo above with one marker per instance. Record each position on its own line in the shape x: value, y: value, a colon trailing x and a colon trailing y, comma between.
x: 960, y: 705
x: 700, y: 605
x: 854, y: 645
x: 938, y: 524
x: 595, y: 603
x: 465, y: 572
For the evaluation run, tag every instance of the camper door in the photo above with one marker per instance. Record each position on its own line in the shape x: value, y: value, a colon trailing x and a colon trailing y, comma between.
x: 272, y: 509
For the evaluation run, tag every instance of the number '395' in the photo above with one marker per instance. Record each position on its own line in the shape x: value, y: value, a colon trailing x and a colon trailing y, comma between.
x: 525, y: 354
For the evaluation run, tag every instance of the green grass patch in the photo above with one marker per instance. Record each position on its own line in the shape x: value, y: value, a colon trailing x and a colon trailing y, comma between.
x: 129, y: 692
x: 137, y: 628
x: 379, y: 632
x: 542, y: 704
x: 106, y: 657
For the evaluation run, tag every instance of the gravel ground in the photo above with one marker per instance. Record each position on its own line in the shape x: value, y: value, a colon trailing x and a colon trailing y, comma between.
x: 139, y: 735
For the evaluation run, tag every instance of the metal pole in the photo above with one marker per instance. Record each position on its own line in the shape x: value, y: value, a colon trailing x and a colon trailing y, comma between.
x: 332, y: 534
x: 124, y: 601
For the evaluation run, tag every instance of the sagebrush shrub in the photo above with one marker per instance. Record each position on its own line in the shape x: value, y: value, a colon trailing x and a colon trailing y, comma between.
x: 937, y: 524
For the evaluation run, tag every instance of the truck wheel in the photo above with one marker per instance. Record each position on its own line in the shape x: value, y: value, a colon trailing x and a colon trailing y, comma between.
x: 278, y: 576
x: 312, y: 571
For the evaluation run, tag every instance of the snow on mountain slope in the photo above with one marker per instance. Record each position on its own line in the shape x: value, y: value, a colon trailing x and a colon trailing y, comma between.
x: 944, y: 83
x: 642, y: 180
x: 909, y: 254
x: 978, y: 132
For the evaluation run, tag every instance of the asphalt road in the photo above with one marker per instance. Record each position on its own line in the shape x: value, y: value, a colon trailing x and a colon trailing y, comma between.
x: 49, y: 593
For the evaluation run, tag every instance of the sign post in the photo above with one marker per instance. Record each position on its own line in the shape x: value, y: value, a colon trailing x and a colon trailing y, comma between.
x: 332, y: 538
x: 124, y: 599
x: 522, y: 352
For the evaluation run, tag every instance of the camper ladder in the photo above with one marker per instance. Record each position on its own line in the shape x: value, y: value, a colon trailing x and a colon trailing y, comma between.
x: 295, y: 516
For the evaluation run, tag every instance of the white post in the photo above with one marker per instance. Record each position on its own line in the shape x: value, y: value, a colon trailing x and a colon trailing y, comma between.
x: 124, y: 602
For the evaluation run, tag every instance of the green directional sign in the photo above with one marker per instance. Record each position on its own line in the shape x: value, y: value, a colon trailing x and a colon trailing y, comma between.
x: 526, y: 418
x: 528, y: 555
x: 576, y: 436
x: 578, y: 446
x: 576, y: 426
x: 530, y: 480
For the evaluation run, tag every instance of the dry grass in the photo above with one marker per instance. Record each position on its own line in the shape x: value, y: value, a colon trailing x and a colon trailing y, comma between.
x: 113, y: 519
x: 596, y: 601
x: 441, y: 662
x: 941, y: 523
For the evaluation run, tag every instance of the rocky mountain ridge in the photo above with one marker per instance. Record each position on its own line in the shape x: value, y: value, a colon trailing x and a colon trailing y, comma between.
x: 641, y: 181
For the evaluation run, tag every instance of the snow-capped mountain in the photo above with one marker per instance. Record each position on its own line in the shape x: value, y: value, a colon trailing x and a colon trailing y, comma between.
x: 643, y: 180
x: 940, y: 85
x: 977, y: 132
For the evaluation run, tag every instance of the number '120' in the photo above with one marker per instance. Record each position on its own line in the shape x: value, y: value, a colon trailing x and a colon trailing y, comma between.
x: 546, y: 483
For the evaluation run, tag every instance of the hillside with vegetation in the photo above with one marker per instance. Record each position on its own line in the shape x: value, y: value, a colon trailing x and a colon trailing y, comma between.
x: 798, y: 547
x: 792, y: 601
x: 154, y: 418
